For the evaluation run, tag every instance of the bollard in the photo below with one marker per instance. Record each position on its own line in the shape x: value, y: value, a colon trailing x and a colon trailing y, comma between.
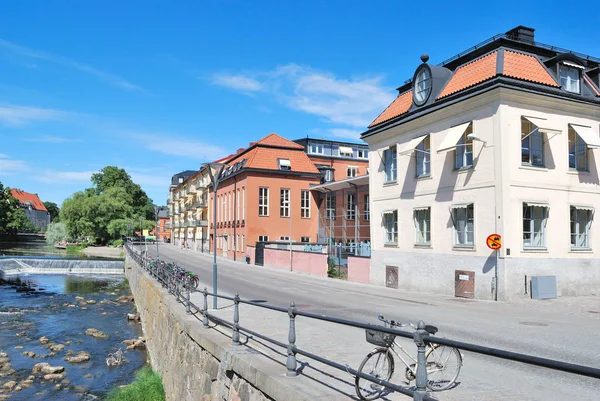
x: 421, y: 376
x: 187, y: 301
x: 236, y: 320
x: 205, y: 309
x: 291, y: 363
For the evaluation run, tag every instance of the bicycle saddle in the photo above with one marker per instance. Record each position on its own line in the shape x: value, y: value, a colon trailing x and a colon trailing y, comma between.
x: 431, y: 329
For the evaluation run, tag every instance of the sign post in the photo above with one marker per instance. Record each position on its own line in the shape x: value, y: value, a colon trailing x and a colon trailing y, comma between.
x: 494, y: 242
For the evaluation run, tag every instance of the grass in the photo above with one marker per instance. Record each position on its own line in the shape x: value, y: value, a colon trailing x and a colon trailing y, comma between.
x: 75, y: 249
x: 146, y: 387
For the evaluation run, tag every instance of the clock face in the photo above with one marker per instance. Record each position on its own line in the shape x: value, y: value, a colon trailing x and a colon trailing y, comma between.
x: 422, y: 86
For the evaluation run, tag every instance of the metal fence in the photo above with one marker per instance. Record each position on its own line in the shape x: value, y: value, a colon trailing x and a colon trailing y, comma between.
x: 420, y: 336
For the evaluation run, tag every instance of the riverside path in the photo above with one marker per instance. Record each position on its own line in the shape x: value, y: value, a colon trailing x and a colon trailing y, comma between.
x: 565, y: 329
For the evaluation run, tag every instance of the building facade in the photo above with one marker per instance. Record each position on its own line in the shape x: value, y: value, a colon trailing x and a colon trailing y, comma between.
x: 163, y: 229
x: 34, y: 208
x: 501, y: 140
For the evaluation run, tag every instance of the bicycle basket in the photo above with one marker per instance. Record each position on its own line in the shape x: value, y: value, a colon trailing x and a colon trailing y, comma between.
x: 378, y: 338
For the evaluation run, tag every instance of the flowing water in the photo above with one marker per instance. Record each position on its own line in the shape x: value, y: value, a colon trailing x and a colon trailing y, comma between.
x: 61, y: 307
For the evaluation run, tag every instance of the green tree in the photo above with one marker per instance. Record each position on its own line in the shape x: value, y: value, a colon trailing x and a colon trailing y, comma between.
x: 53, y: 210
x: 55, y: 233
x: 20, y: 222
x: 11, y: 216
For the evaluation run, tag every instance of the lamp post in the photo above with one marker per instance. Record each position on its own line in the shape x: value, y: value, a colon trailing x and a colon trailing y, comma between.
x: 156, y: 210
x: 214, y: 179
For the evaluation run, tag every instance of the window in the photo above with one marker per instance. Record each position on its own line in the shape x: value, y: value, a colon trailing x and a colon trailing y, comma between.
x: 304, y: 239
x: 569, y: 78
x: 237, y: 205
x: 422, y: 219
x: 463, y: 154
x: 351, y: 207
x: 316, y: 148
x: 284, y: 204
x: 263, y: 238
x: 367, y: 209
x: 534, y: 226
x: 263, y: 201
x: 363, y: 154
x: 243, y: 249
x: 284, y: 238
x: 243, y: 203
x: 229, y: 214
x: 532, y: 144
x: 351, y: 171
x: 577, y: 152
x: 581, y: 220
x: 346, y: 151
x: 328, y: 175
x: 423, y: 158
x: 389, y: 160
x: 462, y: 218
x: 330, y: 208
x: 284, y: 164
x: 305, y: 204
x: 237, y: 243
x: 390, y: 223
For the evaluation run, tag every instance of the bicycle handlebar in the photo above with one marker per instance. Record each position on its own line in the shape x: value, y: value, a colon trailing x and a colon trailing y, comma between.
x: 395, y: 324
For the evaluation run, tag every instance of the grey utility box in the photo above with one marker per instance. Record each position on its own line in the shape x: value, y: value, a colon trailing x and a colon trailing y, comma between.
x: 543, y: 287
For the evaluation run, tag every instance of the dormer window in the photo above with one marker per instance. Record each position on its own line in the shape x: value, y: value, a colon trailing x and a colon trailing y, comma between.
x: 346, y: 151
x: 316, y: 148
x: 422, y: 83
x: 570, y: 75
x: 284, y: 164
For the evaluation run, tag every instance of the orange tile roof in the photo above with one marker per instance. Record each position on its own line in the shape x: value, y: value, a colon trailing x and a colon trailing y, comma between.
x: 399, y: 106
x: 471, y: 74
x: 276, y: 140
x: 266, y: 158
x: 589, y: 82
x: 25, y: 197
x: 526, y: 67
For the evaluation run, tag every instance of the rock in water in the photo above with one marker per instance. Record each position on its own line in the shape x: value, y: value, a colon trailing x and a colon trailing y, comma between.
x: 52, y: 369
x: 96, y: 333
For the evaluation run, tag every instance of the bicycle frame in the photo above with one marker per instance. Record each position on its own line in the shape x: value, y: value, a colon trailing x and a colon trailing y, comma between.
x: 408, y: 366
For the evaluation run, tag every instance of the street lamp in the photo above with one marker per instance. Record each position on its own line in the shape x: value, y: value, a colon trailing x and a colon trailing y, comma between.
x: 214, y: 179
x: 156, y: 210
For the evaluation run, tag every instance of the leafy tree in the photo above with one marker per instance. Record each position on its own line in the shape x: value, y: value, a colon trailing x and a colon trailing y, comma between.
x: 53, y: 210
x: 20, y: 222
x: 55, y: 233
x: 11, y: 216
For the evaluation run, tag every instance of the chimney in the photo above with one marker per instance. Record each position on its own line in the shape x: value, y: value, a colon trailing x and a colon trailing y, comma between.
x: 521, y: 34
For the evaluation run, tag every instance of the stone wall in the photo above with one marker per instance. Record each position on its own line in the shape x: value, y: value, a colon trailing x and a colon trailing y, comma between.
x: 201, y: 364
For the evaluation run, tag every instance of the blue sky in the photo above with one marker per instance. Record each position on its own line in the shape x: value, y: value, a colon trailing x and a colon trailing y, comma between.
x: 157, y: 87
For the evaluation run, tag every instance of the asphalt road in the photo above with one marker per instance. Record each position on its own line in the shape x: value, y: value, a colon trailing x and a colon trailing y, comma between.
x: 557, y: 329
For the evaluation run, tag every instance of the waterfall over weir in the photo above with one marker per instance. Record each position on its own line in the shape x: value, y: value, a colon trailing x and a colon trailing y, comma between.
x: 15, y: 265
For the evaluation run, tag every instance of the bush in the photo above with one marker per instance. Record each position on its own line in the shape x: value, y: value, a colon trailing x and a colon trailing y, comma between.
x: 146, y: 387
x: 116, y: 243
x: 332, y: 272
x: 55, y: 233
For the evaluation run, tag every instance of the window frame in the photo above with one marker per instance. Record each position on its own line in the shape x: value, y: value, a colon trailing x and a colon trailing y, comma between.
x: 564, y: 80
x: 302, y: 239
x: 533, y: 136
x: 330, y: 207
x: 392, y: 234
x: 328, y: 176
x: 265, y: 238
x: 264, y: 197
x: 366, y: 208
x: 390, y: 162
x: 423, y: 158
x: 351, y: 206
x: 285, y: 238
x: 574, y: 144
x: 316, y: 145
x: 531, y: 229
x: 575, y: 224
x: 462, y: 152
x: 305, y: 204
x: 461, y: 237
x: 284, y: 204
x: 353, y: 169
x: 284, y: 167
x: 362, y: 153
x: 422, y: 228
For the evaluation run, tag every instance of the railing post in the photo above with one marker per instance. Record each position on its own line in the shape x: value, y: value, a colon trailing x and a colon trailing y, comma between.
x: 205, y: 309
x: 187, y: 300
x: 236, y: 320
x: 421, y: 376
x: 291, y: 363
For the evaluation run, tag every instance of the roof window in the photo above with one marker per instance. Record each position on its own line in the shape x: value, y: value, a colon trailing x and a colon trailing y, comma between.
x: 345, y: 151
x: 284, y: 164
x: 570, y: 75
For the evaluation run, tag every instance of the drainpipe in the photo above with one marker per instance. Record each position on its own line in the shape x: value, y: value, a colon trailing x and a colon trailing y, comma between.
x: 235, y: 201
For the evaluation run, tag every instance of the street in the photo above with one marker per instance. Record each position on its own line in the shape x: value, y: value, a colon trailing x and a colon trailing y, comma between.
x: 563, y: 329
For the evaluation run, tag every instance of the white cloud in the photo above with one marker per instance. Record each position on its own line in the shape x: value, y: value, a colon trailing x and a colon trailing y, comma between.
x: 112, y: 79
x: 9, y: 166
x: 237, y: 82
x: 350, y: 102
x: 64, y: 177
x: 19, y: 115
x: 48, y: 139
x: 344, y: 133
x: 174, y: 145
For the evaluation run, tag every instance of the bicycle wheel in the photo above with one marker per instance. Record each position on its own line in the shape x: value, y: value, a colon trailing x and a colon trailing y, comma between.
x: 443, y: 366
x: 195, y: 282
x: 378, y: 363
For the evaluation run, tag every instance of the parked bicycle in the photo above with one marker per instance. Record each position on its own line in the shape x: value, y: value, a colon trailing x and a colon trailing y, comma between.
x: 443, y: 363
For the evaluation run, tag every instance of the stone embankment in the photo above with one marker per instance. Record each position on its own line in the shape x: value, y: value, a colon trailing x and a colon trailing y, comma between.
x: 201, y: 364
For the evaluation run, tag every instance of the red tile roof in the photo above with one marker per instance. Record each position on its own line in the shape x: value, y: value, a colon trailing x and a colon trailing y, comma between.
x: 471, y: 74
x: 527, y: 68
x: 399, y: 106
x: 590, y: 83
x: 276, y: 140
x: 25, y: 197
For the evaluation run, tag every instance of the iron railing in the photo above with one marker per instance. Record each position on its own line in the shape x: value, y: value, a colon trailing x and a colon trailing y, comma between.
x: 162, y: 272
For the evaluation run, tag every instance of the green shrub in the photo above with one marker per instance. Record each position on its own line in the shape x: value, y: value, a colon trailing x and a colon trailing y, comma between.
x: 146, y: 387
x: 332, y: 272
x: 116, y: 243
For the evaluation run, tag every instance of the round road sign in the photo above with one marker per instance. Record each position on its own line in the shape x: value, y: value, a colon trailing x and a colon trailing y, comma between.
x: 494, y: 241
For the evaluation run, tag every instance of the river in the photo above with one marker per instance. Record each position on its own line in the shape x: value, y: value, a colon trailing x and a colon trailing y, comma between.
x: 61, y: 308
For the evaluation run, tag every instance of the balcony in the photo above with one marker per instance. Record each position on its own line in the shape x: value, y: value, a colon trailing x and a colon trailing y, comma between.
x: 201, y: 204
x: 190, y: 223
x: 201, y: 223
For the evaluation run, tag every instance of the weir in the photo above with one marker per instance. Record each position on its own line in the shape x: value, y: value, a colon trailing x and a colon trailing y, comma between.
x: 15, y: 265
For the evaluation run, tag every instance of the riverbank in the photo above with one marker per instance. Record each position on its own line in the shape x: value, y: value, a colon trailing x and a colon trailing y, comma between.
x: 103, y: 252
